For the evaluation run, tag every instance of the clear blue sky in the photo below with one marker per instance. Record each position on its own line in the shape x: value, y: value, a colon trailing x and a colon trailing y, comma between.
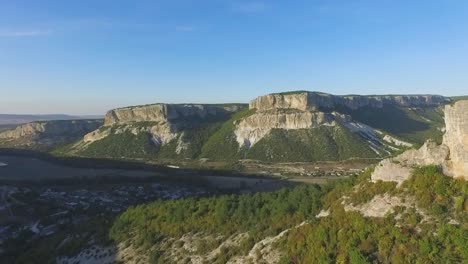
x: 87, y: 56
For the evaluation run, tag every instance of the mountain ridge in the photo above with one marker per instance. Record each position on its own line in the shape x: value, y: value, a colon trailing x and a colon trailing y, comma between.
x: 195, y: 131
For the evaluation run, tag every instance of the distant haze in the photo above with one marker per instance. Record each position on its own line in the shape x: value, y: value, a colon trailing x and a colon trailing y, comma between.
x: 7, y: 119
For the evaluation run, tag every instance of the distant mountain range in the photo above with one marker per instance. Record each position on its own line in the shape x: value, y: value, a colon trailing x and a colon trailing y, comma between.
x: 12, y: 119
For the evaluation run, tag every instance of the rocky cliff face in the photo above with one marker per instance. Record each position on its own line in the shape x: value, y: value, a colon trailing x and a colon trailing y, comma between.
x: 162, y: 122
x: 168, y: 113
x: 29, y: 129
x: 47, y: 133
x: 315, y: 101
x: 253, y: 128
x: 456, y: 139
x: 307, y: 110
x: 451, y: 155
x: 171, y: 128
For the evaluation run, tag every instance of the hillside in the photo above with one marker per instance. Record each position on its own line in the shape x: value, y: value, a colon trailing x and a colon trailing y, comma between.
x: 152, y: 132
x: 366, y: 222
x: 288, y: 127
x: 315, y: 144
x: 350, y: 221
x: 45, y: 135
x: 414, y: 125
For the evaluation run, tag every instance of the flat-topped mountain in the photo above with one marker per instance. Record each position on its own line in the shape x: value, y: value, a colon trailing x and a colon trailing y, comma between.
x: 306, y: 110
x: 293, y: 126
x: 303, y: 100
x: 169, y: 113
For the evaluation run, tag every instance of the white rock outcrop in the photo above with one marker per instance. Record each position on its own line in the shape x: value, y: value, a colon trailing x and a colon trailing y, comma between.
x: 305, y: 110
x: 47, y: 133
x: 253, y: 128
x: 163, y: 122
x: 456, y: 139
x: 451, y: 155
x: 304, y: 100
x: 379, y: 206
x: 167, y: 113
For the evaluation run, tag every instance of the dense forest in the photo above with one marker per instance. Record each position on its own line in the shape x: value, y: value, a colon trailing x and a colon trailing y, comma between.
x: 435, y: 231
x: 430, y: 226
x: 260, y: 215
x: 405, y: 236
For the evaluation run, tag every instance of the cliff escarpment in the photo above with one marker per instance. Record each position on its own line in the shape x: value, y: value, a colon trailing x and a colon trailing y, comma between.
x: 46, y: 134
x: 296, y: 126
x: 315, y: 101
x: 174, y: 113
x: 161, y: 130
x: 451, y: 155
x: 310, y: 110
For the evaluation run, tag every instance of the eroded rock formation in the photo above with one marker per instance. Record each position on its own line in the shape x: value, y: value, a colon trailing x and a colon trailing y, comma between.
x: 456, y: 139
x: 164, y: 122
x: 47, y: 133
x: 253, y: 128
x: 305, y: 110
x: 167, y: 113
x: 451, y: 155
x: 314, y: 101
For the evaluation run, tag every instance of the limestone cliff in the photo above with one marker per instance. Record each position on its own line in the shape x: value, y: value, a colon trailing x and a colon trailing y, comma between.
x: 280, y: 119
x: 456, y: 139
x: 162, y: 122
x: 451, y: 155
x: 308, y: 110
x: 253, y: 128
x: 168, y: 113
x: 315, y: 101
x: 43, y: 134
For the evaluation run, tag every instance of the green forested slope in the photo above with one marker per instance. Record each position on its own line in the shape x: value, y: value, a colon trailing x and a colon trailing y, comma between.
x: 317, y: 144
x: 341, y: 237
x: 216, y: 139
x: 435, y: 232
x: 415, y: 125
x: 153, y: 226
x: 260, y: 213
x: 222, y: 145
x: 348, y: 237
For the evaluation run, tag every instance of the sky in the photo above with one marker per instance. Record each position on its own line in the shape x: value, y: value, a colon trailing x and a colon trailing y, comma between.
x: 89, y: 56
